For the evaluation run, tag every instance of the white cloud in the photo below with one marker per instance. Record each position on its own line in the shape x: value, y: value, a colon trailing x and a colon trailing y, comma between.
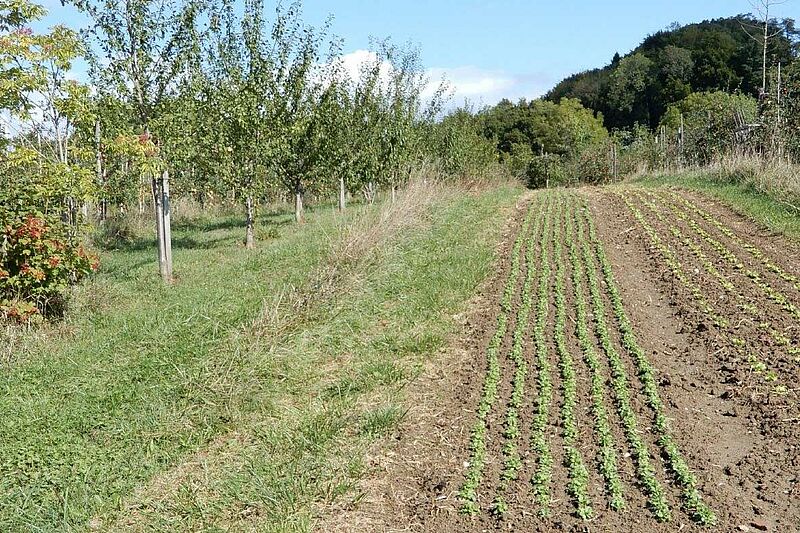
x: 487, y: 87
x: 352, y: 62
x: 479, y: 86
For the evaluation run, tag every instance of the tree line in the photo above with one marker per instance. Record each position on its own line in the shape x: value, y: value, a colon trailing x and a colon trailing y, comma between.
x: 687, y: 96
x: 226, y: 101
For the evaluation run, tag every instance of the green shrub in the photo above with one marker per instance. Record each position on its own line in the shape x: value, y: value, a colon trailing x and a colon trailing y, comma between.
x: 40, y: 250
x: 547, y: 171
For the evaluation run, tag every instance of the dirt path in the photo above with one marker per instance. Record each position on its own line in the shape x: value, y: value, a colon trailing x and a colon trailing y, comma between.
x: 673, y: 388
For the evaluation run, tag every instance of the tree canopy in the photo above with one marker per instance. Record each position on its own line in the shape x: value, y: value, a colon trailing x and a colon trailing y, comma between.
x: 713, y: 55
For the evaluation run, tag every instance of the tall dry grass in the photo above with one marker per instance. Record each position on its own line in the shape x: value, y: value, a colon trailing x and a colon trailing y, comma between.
x: 355, y: 245
x: 775, y: 177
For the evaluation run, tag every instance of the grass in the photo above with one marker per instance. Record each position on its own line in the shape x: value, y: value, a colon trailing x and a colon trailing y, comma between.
x: 222, y: 402
x: 765, y: 208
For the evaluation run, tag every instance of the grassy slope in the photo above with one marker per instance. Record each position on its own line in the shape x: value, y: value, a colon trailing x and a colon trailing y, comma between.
x: 169, y: 408
x: 761, y: 207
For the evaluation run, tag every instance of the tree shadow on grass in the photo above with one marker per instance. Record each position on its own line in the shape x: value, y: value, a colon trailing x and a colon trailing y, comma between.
x: 178, y: 243
x: 206, y: 225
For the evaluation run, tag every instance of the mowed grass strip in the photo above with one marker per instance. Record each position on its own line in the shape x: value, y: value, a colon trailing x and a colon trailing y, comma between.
x: 159, y: 408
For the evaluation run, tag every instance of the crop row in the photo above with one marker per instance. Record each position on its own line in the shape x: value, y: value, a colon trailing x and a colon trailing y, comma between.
x: 620, y: 386
x: 511, y: 432
x: 539, y: 444
x: 674, y: 264
x: 468, y: 493
x: 563, y: 251
x: 687, y: 482
x: 770, y: 292
x: 576, y: 470
x: 606, y: 454
x: 754, y: 250
x: 690, y: 243
x: 697, y: 294
x: 727, y: 284
x: 730, y: 256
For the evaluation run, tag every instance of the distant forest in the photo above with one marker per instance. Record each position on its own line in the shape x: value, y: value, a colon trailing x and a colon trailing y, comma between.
x: 695, y: 87
x: 713, y: 55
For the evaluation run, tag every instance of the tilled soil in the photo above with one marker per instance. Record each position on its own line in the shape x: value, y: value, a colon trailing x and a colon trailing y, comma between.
x: 729, y: 391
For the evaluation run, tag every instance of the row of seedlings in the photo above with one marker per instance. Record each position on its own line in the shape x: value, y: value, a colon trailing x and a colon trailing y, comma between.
x: 578, y: 485
x: 543, y: 473
x: 686, y: 480
x: 694, y: 289
x: 511, y: 432
x: 754, y: 250
x: 606, y: 454
x: 474, y: 475
x: 689, y: 243
x: 674, y: 265
x: 758, y: 365
x: 656, y: 497
x: 731, y: 258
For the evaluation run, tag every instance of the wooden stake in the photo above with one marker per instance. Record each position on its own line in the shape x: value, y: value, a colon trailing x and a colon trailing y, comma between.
x: 166, y: 213
x: 298, y: 206
x: 159, y: 212
x: 250, y: 239
x: 342, y: 192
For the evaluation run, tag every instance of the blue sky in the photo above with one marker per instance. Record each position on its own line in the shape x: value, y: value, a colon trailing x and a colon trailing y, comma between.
x: 492, y: 49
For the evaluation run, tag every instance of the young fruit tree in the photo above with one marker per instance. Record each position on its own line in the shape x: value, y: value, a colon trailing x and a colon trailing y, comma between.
x: 136, y: 49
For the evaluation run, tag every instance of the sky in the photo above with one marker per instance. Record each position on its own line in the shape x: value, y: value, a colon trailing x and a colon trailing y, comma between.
x: 494, y: 49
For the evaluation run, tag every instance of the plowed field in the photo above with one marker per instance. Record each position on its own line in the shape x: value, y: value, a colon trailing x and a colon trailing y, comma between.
x: 633, y: 366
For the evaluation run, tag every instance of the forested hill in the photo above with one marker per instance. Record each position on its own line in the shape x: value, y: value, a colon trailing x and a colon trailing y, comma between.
x: 669, y: 65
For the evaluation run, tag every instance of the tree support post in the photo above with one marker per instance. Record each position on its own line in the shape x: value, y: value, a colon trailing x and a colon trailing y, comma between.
x: 298, y: 207
x: 342, y: 198
x: 167, y: 214
x: 163, y: 225
x: 250, y: 235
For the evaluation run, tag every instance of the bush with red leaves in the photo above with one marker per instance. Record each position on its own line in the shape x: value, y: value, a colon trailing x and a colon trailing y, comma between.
x: 38, y: 262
